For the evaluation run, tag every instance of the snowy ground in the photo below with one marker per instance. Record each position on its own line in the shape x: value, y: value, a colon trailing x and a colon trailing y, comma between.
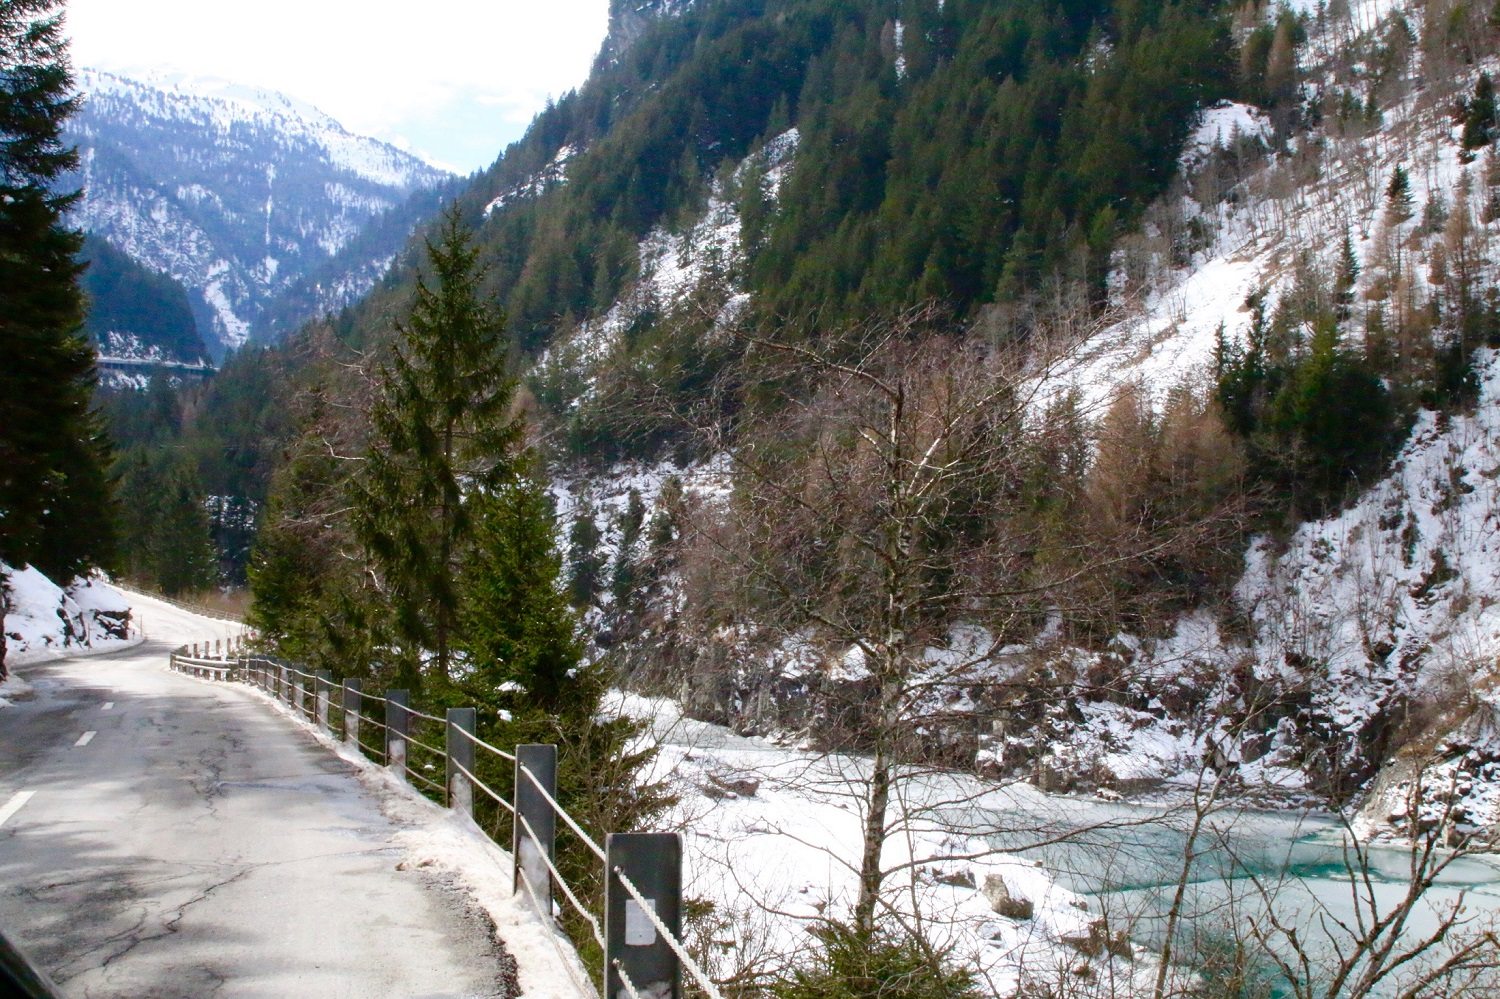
x: 46, y: 621
x: 772, y: 838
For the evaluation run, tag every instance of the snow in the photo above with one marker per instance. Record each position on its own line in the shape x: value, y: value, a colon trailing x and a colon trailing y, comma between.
x: 776, y: 860
x: 674, y: 265
x: 46, y: 621
x: 553, y: 174
x: 1220, y: 127
x: 228, y: 104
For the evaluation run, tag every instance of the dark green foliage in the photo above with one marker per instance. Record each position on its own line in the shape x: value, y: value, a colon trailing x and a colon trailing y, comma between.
x: 1398, y: 197
x: 311, y: 594
x: 1319, y: 422
x: 232, y: 429
x: 976, y: 181
x: 168, y: 544
x: 519, y: 634
x: 54, y: 498
x: 441, y: 431
x: 1346, y: 279
x: 585, y: 561
x: 849, y: 965
x: 129, y: 300
x: 1333, y: 419
x: 626, y: 572
x: 1479, y: 115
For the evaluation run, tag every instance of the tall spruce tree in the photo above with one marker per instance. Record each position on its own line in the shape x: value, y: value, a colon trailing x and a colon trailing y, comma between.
x: 442, y: 432
x: 521, y: 635
x: 54, y: 495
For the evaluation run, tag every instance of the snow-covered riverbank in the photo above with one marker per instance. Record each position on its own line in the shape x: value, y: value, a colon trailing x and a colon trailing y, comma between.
x: 1019, y: 884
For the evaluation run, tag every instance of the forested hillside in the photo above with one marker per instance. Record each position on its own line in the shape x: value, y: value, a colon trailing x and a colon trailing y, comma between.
x: 1188, y: 273
x: 134, y: 312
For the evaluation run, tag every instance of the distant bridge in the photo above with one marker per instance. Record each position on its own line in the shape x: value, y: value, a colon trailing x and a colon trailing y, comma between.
x: 147, y: 366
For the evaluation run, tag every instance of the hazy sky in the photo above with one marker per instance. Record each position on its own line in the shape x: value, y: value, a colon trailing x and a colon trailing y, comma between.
x: 452, y: 80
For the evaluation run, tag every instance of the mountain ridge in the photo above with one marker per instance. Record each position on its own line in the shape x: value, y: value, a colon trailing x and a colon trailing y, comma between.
x: 237, y: 192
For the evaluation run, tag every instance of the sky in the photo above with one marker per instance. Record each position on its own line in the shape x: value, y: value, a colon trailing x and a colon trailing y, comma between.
x: 451, y: 80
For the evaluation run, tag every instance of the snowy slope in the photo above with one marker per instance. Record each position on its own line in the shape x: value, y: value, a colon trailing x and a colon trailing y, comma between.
x: 237, y: 193
x: 45, y: 621
x: 1363, y: 636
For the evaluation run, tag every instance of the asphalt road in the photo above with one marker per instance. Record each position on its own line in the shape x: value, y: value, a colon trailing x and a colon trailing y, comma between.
x: 165, y: 837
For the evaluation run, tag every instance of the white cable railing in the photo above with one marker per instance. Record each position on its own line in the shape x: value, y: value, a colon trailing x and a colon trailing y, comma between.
x: 533, y: 809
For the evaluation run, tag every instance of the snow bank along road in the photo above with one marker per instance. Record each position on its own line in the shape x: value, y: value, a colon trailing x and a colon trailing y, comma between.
x: 164, y: 837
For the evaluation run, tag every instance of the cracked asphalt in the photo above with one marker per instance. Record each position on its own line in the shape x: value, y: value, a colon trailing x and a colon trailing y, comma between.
x: 199, y: 846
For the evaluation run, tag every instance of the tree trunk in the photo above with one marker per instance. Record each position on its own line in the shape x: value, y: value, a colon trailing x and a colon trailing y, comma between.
x: 4, y: 610
x: 440, y: 625
x: 870, y: 872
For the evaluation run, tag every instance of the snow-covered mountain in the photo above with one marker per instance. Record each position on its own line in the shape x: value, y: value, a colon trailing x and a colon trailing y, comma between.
x: 238, y: 193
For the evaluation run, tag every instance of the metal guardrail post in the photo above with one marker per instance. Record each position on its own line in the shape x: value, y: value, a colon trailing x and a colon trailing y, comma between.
x: 530, y: 856
x: 461, y: 754
x: 325, y: 689
x: 353, y: 707
x: 396, y: 722
x: 653, y: 863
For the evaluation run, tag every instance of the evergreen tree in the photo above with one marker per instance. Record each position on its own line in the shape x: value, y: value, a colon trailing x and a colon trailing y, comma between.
x: 442, y: 431
x: 585, y: 564
x: 623, y: 579
x: 1345, y: 279
x: 183, y: 556
x: 527, y: 674
x: 1398, y: 197
x: 1479, y: 115
x: 519, y: 632
x: 54, y: 497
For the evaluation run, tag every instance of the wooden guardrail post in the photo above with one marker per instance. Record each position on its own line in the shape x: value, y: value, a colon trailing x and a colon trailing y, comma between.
x: 530, y: 855
x: 299, y: 693
x: 324, y: 684
x: 353, y: 707
x: 396, y: 722
x: 653, y: 863
x: 461, y: 758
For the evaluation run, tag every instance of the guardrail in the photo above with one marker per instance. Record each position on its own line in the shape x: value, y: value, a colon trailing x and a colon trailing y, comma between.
x: 203, y: 610
x: 639, y: 930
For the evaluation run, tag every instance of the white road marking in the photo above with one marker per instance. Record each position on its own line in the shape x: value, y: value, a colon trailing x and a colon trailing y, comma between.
x: 85, y: 739
x: 15, y: 804
x: 108, y: 705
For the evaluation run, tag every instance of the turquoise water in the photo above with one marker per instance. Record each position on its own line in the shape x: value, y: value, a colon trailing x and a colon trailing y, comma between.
x: 1128, y: 860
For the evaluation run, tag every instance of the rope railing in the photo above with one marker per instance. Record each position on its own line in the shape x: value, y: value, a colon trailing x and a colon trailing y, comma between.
x: 647, y: 908
x: 413, y: 712
x: 562, y: 883
x: 430, y: 783
x: 496, y: 797
x: 343, y: 710
x: 588, y: 840
x: 508, y: 757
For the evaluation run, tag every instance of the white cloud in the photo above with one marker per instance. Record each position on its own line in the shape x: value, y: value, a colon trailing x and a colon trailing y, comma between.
x: 381, y: 67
